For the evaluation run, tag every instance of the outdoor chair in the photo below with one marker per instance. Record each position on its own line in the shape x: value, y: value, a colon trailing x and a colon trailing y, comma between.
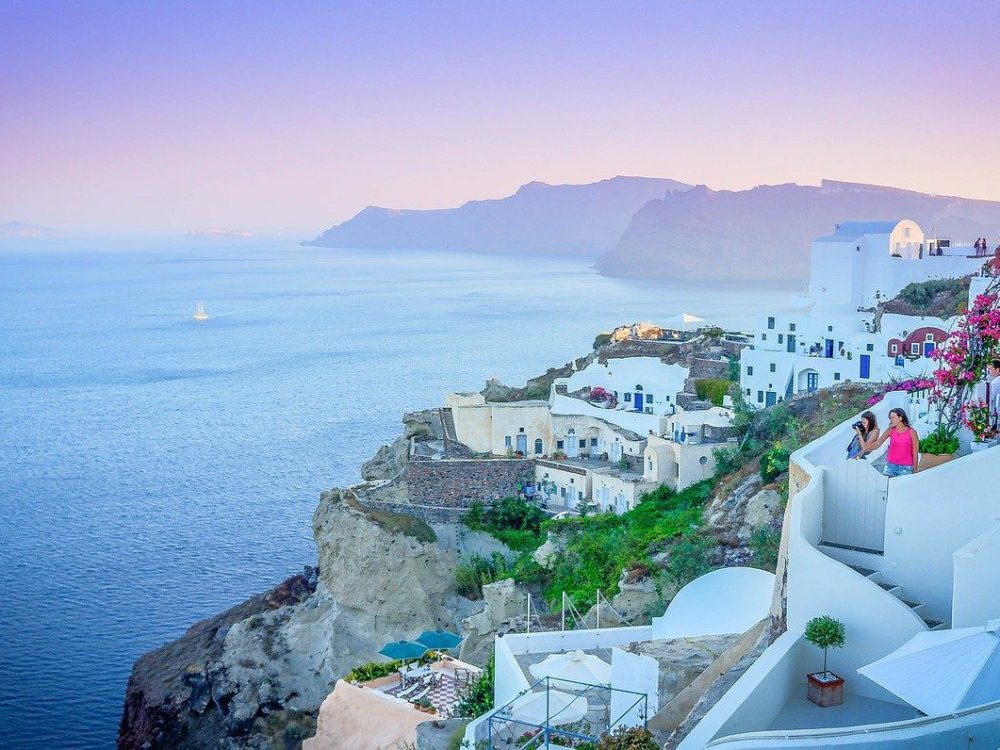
x: 422, y: 694
x: 404, y: 693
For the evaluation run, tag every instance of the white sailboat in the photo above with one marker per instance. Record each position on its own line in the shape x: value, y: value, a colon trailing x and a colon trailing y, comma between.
x: 199, y: 314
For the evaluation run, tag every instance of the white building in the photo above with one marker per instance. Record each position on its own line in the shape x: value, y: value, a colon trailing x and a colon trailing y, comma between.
x: 500, y: 428
x: 832, y: 335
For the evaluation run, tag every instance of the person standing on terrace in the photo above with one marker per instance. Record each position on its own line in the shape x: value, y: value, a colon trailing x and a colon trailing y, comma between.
x: 904, y: 444
x: 866, y: 434
x: 993, y: 391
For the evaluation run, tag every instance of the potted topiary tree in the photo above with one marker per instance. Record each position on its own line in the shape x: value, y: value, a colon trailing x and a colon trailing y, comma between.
x: 825, y: 688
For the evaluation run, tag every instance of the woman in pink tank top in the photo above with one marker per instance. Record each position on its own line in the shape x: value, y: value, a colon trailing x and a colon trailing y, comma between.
x: 904, y: 445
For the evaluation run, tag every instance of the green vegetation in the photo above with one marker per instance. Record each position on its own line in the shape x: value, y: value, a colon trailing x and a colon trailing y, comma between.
x: 765, y: 543
x: 712, y: 389
x: 602, y: 339
x: 942, y: 440
x: 939, y: 297
x: 774, y: 462
x: 734, y: 369
x: 634, y: 738
x: 515, y: 522
x: 375, y: 669
x: 598, y: 547
x: 417, y: 430
x: 457, y: 737
x: 400, y: 523
x: 479, y: 699
x: 536, y: 393
x: 825, y: 632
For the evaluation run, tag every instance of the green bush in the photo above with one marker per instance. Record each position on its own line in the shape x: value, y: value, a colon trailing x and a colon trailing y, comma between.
x: 474, y: 573
x: 602, y: 339
x: 734, y: 370
x: 417, y: 430
x: 940, y: 441
x: 536, y: 393
x: 633, y: 738
x: 689, y: 559
x: 727, y: 460
x: 515, y: 522
x: 479, y: 699
x: 773, y: 463
x: 765, y: 544
x: 712, y: 389
x: 923, y: 295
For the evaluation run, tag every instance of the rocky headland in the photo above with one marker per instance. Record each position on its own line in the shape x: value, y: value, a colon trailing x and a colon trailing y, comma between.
x: 256, y: 675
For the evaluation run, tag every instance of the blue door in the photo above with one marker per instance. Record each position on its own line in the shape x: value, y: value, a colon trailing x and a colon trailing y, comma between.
x: 866, y: 366
x: 770, y: 398
x: 812, y: 381
x: 638, y: 402
x: 828, y: 350
x: 522, y: 443
x: 791, y: 343
x: 928, y: 348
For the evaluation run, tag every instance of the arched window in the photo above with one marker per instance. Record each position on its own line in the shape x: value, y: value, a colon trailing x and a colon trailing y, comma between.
x: 538, y: 446
x: 638, y: 387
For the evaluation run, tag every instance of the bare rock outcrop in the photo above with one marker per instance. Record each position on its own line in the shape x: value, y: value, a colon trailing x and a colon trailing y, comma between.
x: 505, y: 610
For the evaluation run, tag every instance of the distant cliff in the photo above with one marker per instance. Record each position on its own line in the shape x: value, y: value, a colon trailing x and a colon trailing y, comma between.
x: 766, y: 232
x: 582, y: 220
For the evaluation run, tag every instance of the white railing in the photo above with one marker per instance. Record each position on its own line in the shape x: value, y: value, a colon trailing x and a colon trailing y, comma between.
x: 854, y: 505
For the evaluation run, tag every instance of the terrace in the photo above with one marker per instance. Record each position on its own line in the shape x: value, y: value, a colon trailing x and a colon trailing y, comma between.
x: 435, y: 688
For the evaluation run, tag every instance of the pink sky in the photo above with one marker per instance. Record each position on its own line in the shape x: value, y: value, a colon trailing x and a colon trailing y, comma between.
x: 292, y: 117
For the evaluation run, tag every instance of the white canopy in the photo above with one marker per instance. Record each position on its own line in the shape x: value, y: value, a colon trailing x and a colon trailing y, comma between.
x: 942, y: 671
x: 574, y: 665
x: 682, y: 320
x: 558, y: 707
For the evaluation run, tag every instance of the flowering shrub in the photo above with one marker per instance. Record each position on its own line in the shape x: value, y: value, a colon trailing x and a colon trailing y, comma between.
x: 598, y: 393
x: 962, y: 357
x: 909, y: 386
x: 977, y: 418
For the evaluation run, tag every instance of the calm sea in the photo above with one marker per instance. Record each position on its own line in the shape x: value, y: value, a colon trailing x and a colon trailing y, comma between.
x: 155, y: 470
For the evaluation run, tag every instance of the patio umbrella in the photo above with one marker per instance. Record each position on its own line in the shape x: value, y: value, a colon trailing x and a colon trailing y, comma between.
x: 403, y: 650
x: 558, y: 707
x: 439, y: 639
x: 576, y: 666
x: 941, y: 671
x: 683, y: 320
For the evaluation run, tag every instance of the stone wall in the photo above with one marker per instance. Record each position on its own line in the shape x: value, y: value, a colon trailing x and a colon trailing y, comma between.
x: 458, y: 483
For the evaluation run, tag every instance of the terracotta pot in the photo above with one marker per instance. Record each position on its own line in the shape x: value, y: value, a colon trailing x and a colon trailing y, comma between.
x: 825, y: 688
x: 930, y: 460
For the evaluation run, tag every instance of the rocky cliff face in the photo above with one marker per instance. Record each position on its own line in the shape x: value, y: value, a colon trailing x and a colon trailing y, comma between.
x: 256, y: 675
x: 538, y: 218
x: 766, y: 232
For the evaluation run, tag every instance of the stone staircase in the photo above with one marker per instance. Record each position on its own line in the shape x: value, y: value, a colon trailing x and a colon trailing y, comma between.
x: 897, y: 591
x: 448, y: 424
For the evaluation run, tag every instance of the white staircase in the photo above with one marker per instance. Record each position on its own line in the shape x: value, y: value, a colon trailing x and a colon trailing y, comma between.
x: 897, y: 591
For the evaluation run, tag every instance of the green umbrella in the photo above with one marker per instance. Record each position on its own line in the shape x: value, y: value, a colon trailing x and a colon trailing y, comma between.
x: 403, y: 650
x: 439, y: 639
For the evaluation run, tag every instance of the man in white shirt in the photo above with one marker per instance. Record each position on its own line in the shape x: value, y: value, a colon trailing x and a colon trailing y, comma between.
x: 993, y: 390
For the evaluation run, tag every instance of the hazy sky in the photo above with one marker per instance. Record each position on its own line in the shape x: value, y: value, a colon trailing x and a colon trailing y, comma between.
x: 293, y: 116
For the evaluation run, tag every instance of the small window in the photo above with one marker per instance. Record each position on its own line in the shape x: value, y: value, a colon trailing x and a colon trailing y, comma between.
x: 649, y: 398
x: 770, y: 323
x: 506, y: 441
x: 583, y: 443
x: 649, y: 464
x: 830, y: 329
x: 593, y: 442
x: 703, y: 460
x: 638, y: 387
x: 894, y: 348
x: 929, y: 338
x: 781, y: 338
x: 572, y: 481
x: 579, y: 495
x: 562, y: 492
x: 749, y: 370
x: 836, y: 376
x: 763, y: 337
x: 560, y: 444
x: 791, y: 326
x: 520, y: 429
x: 628, y: 397
x: 870, y: 347
x: 914, y: 348
x: 748, y: 391
x: 760, y: 397
x: 774, y: 367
